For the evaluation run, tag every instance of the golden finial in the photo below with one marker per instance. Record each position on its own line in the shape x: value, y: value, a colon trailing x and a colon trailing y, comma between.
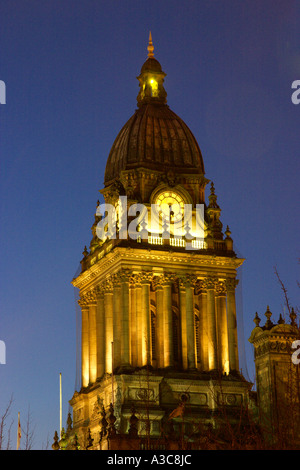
x: 150, y: 47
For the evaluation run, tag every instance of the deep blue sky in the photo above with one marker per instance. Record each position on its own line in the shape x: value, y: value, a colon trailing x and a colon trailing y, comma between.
x: 70, y: 71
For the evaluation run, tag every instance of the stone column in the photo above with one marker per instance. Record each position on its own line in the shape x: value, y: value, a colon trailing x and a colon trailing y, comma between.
x: 222, y: 327
x: 184, y: 343
x: 202, y: 334
x: 145, y: 317
x: 232, y: 325
x: 168, y: 320
x: 159, y: 321
x: 211, y: 324
x: 139, y: 326
x: 100, y: 333
x: 124, y: 320
x: 190, y: 322
x: 133, y: 325
x: 168, y: 325
x: 85, y: 372
x: 117, y: 326
x: 92, y: 340
x: 108, y: 308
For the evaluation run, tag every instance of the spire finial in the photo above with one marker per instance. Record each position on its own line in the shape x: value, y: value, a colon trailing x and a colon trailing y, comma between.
x: 268, y: 315
x: 256, y: 319
x: 150, y: 47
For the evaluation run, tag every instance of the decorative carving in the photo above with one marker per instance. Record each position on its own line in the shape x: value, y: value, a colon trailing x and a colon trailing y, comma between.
x: 231, y: 284
x: 111, y: 420
x: 88, y: 299
x: 125, y: 275
x: 202, y: 397
x: 230, y: 399
x: 145, y: 394
x: 97, y: 408
x: 99, y: 290
x: 78, y: 414
x: 108, y: 285
x: 210, y: 282
x: 272, y: 346
x: 220, y: 288
x: 170, y: 179
x: 143, y: 277
x: 187, y: 280
x: 115, y: 281
x: 157, y: 282
x: 146, y: 276
x: 200, y: 287
x: 103, y: 424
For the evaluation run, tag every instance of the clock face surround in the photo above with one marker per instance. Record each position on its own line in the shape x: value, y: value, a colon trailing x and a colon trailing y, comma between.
x: 168, y: 199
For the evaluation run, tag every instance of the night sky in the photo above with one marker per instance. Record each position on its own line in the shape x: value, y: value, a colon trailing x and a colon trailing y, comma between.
x: 70, y: 71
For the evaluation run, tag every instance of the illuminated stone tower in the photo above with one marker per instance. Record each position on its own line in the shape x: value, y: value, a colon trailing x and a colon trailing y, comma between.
x: 159, y: 324
x: 278, y: 378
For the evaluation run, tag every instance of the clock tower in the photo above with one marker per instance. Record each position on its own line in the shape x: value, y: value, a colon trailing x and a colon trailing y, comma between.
x: 157, y: 286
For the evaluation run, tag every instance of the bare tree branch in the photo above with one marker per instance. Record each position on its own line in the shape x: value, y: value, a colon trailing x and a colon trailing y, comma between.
x: 3, y: 423
x: 284, y: 289
x: 28, y: 432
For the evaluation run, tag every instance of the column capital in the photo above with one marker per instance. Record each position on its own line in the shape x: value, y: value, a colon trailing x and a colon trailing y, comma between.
x: 99, y: 291
x: 200, y: 287
x: 88, y: 299
x: 108, y: 285
x: 142, y: 277
x: 163, y: 279
x: 231, y: 284
x: 210, y: 282
x: 157, y: 282
x: 220, y: 288
x: 115, y: 281
x: 125, y: 275
x: 187, y: 280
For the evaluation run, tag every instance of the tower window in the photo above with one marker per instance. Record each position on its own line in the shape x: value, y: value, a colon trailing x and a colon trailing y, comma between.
x: 154, y: 87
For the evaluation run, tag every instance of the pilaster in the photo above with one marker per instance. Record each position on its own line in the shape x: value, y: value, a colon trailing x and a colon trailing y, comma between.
x: 232, y: 325
x: 222, y: 330
x: 211, y: 323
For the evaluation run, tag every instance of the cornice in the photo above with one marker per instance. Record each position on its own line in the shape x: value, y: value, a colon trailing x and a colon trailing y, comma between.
x: 133, y: 259
x: 137, y: 260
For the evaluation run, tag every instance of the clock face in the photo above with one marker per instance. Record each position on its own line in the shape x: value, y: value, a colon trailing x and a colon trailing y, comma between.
x: 168, y: 199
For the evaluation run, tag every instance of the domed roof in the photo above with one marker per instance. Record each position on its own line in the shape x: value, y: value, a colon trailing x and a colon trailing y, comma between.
x: 151, y: 65
x: 154, y: 137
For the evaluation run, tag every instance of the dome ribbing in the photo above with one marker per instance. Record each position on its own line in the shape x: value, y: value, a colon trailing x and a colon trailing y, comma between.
x: 154, y: 137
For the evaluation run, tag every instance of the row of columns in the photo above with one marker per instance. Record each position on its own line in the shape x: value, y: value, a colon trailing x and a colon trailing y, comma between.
x: 116, y: 324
